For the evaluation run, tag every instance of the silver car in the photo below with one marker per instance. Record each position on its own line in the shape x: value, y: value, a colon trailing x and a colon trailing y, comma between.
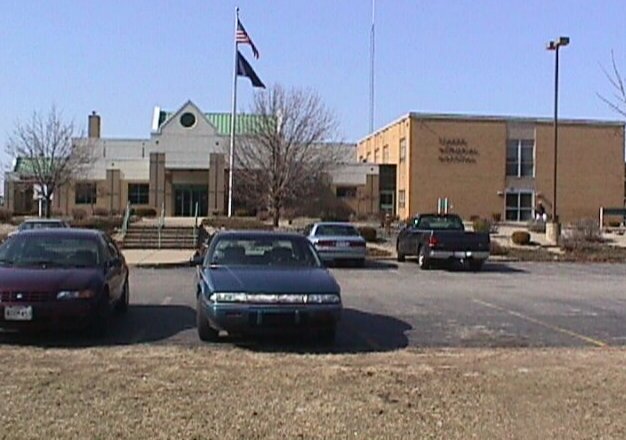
x: 337, y: 242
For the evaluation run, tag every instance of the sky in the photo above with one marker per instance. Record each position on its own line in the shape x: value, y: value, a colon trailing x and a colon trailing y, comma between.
x: 485, y: 57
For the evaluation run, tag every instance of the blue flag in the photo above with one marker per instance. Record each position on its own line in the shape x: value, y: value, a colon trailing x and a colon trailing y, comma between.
x: 245, y: 69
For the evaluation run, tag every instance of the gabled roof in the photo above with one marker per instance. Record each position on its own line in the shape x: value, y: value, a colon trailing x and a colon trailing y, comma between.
x: 25, y: 166
x: 221, y: 121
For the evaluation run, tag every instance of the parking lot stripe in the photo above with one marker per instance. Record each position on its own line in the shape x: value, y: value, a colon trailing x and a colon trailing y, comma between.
x: 592, y: 341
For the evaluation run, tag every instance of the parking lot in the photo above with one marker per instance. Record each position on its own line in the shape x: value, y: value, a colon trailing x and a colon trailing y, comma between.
x: 392, y: 305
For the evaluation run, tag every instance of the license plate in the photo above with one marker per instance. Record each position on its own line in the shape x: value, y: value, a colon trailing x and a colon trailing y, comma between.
x: 18, y: 313
x: 343, y: 244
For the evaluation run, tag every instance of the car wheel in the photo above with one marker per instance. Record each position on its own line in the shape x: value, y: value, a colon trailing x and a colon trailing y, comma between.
x: 476, y: 265
x: 122, y: 303
x: 422, y: 259
x: 399, y: 255
x: 205, y: 331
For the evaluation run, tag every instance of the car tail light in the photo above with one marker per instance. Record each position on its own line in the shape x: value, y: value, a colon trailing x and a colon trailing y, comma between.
x: 432, y: 241
x: 357, y: 244
x: 325, y: 243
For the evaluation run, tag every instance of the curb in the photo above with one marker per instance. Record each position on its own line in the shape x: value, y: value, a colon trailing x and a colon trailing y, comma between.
x: 172, y: 265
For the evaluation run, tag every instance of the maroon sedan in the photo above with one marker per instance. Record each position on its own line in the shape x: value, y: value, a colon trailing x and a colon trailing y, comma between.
x: 64, y: 278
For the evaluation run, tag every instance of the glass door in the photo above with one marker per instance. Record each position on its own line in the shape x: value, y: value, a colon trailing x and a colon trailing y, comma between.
x: 186, y: 198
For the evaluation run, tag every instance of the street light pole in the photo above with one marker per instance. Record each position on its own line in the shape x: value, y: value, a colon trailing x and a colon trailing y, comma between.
x: 553, y: 230
x: 555, y: 45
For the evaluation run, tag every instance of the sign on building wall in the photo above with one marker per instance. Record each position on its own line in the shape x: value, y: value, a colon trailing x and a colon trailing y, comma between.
x: 456, y: 150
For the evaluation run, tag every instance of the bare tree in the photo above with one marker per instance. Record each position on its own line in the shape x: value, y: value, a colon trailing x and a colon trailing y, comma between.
x: 286, y: 156
x: 617, y: 101
x: 51, y: 157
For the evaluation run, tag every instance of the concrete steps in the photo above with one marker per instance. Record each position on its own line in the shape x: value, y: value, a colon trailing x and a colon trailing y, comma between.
x: 147, y: 237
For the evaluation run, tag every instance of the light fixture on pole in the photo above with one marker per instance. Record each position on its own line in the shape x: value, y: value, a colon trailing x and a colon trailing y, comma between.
x: 555, y: 45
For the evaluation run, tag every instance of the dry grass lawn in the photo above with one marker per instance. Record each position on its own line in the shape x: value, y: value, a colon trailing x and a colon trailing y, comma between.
x: 163, y: 392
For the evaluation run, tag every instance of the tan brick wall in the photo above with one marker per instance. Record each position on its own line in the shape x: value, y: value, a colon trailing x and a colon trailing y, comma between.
x: 590, y: 168
x: 470, y: 181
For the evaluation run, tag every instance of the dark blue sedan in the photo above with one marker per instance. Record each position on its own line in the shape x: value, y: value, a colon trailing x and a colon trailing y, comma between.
x: 265, y: 282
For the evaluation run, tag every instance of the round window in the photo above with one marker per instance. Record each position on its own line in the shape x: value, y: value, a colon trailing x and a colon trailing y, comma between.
x: 187, y: 120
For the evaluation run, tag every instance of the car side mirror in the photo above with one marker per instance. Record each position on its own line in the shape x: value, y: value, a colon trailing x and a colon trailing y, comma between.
x: 197, y: 260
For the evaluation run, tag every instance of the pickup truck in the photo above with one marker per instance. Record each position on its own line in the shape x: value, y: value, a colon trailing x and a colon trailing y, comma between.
x: 442, y: 238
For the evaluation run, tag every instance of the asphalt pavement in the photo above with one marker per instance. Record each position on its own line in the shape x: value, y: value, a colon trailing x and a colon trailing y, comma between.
x: 391, y: 305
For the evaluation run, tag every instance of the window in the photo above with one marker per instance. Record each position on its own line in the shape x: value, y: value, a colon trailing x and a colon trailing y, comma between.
x: 402, y: 149
x: 401, y: 199
x: 346, y: 192
x: 519, y: 206
x: 520, y: 158
x: 386, y: 154
x: 187, y: 120
x: 368, y: 157
x: 138, y: 193
x: 376, y: 155
x: 85, y: 194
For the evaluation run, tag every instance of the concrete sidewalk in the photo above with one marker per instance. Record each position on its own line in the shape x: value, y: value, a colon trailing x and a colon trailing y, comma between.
x: 157, y: 257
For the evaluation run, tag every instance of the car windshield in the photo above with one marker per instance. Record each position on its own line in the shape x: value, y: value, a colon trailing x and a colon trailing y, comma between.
x: 447, y: 222
x: 40, y: 225
x: 265, y: 251
x: 35, y: 250
x: 336, y: 231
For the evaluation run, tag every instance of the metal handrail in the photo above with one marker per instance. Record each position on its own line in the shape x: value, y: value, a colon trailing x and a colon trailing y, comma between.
x: 195, y: 224
x: 126, y: 220
x: 161, y: 222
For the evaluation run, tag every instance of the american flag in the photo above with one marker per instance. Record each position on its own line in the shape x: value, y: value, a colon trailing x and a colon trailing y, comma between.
x: 241, y: 36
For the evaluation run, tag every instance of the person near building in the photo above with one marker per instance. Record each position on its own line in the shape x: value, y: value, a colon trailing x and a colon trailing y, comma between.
x: 540, y: 213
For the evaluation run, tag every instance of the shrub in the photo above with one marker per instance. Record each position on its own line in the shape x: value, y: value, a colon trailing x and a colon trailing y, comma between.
x: 5, y: 216
x: 368, y: 233
x: 481, y: 225
x: 474, y: 217
x: 144, y: 212
x: 586, y: 230
x: 496, y: 217
x: 496, y: 248
x: 615, y: 223
x: 536, y: 226
x: 520, y: 238
x: 576, y: 245
x: 240, y: 223
x: 100, y: 212
x: 262, y: 216
x: 107, y: 224
x: 79, y: 213
x: 242, y: 212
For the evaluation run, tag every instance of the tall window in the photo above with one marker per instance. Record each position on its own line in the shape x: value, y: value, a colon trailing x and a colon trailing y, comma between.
x: 519, y: 206
x: 85, y: 194
x: 402, y: 149
x: 138, y: 193
x: 386, y: 154
x: 401, y: 199
x: 376, y: 155
x: 520, y: 158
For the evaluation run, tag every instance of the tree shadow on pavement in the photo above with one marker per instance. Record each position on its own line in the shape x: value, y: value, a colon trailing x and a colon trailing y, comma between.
x: 142, y: 323
x: 357, y: 332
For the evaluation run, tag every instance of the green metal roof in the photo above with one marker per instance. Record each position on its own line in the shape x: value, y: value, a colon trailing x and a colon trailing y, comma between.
x: 245, y: 123
x: 25, y: 166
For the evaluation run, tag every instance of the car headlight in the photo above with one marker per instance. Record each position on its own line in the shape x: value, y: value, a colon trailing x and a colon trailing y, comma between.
x: 229, y: 297
x: 326, y: 298
x: 76, y: 294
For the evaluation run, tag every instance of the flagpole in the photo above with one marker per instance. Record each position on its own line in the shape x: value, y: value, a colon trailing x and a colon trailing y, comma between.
x: 233, y: 116
x: 372, y: 41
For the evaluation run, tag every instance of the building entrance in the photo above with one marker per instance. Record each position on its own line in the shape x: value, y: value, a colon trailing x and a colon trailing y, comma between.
x: 186, y: 197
